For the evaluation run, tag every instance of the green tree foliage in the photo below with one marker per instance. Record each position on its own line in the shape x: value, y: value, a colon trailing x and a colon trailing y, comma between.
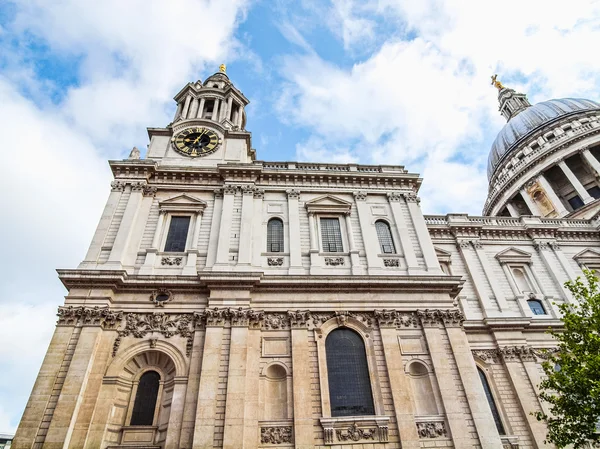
x: 572, y: 386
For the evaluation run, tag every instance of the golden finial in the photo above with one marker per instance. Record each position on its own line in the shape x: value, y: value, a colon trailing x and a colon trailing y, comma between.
x: 497, y: 83
x: 222, y: 68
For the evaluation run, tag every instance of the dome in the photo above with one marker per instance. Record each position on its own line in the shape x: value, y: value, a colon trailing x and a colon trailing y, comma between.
x: 530, y: 120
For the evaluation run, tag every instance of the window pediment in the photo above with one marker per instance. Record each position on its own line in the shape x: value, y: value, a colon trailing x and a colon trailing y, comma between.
x: 328, y: 204
x: 442, y: 255
x: 587, y: 257
x: 183, y: 203
x: 513, y: 255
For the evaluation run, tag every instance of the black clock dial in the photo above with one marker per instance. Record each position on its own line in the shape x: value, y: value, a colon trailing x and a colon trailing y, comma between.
x: 196, y: 141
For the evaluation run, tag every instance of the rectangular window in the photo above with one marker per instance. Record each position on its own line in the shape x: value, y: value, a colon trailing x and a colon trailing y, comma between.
x: 177, y: 236
x: 331, y: 235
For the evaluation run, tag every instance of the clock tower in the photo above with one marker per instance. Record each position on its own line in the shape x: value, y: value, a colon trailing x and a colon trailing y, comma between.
x: 208, y: 128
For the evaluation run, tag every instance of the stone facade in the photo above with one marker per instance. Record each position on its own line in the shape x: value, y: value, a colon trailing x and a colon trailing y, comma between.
x: 236, y: 328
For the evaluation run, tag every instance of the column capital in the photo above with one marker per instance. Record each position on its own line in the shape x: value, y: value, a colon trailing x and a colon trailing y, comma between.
x: 393, y: 318
x: 411, y: 197
x: 218, y: 193
x: 448, y: 317
x: 259, y: 193
x: 89, y: 316
x: 299, y: 319
x: 247, y: 189
x: 117, y: 186
x: 230, y: 189
x: 138, y: 186
x: 149, y: 191
x: 360, y: 196
x: 293, y: 193
x: 394, y: 196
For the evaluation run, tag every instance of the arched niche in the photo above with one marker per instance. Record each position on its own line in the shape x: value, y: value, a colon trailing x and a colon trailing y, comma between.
x: 275, y: 392
x: 422, y: 383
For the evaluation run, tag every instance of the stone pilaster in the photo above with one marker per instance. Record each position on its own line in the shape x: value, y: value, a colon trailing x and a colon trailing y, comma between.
x: 191, y: 394
x: 215, y: 225
x: 407, y: 249
x: 489, y: 274
x: 293, y: 196
x: 224, y: 233
x: 246, y: 247
x: 367, y: 231
x: 435, y: 324
x: 258, y: 236
x: 544, y: 249
x: 431, y: 261
x: 303, y: 418
x: 126, y: 228
x: 192, y: 252
x: 399, y: 383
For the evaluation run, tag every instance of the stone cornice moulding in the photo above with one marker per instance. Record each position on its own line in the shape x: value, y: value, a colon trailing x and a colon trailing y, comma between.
x: 120, y: 280
x: 515, y: 353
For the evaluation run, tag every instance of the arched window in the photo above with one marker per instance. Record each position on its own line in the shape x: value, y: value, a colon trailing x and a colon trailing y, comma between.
x: 536, y: 306
x: 490, y: 399
x: 385, y: 237
x: 348, y: 374
x: 275, y: 236
x: 145, y: 399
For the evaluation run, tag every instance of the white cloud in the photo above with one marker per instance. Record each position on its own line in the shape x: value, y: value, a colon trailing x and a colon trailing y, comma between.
x: 134, y: 56
x: 424, y: 99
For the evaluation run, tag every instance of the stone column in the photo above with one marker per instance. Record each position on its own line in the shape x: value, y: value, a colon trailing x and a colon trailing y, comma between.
x: 544, y: 250
x: 464, y: 247
x: 178, y: 112
x: 228, y: 113
x: 469, y: 378
x: 431, y: 260
x: 294, y: 232
x: 399, y: 383
x: 583, y: 194
x: 314, y: 243
x: 91, y: 258
x: 354, y: 259
x: 240, y: 118
x: 193, y: 108
x: 125, y: 231
x: 251, y: 403
x: 489, y: 274
x: 258, y: 237
x: 215, y: 110
x: 369, y: 237
x: 225, y: 226
x: 176, y: 415
x: 150, y: 261
x: 512, y: 210
x: 410, y: 256
x: 591, y: 161
x: 303, y: 417
x: 531, y: 204
x: 71, y: 396
x: 526, y: 395
x: 245, y: 247
x: 47, y: 387
x: 215, y: 224
x: 204, y: 427
x: 200, y: 108
x: 192, y: 252
x: 191, y: 394
x: 186, y: 107
x: 559, y: 207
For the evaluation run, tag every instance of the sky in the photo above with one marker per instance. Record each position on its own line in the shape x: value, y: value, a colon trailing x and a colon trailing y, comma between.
x: 375, y: 81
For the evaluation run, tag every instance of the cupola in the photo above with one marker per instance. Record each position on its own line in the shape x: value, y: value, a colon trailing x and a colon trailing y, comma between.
x: 217, y: 100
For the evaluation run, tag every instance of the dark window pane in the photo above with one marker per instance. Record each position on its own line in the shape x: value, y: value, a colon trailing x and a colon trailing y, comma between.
x: 385, y: 237
x: 594, y: 192
x: 331, y: 235
x: 349, y: 383
x: 490, y: 399
x: 576, y: 202
x: 536, y: 307
x: 177, y: 235
x: 275, y: 236
x: 145, y: 399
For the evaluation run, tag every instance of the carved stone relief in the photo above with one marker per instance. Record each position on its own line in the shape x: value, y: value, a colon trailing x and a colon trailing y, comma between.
x: 171, y: 261
x: 275, y: 261
x: 435, y: 429
x: 334, y: 261
x: 276, y: 435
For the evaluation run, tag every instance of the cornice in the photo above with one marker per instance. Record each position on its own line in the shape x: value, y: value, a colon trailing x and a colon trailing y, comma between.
x: 120, y: 280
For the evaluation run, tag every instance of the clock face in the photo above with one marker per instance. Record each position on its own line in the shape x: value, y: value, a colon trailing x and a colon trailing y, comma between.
x: 196, y: 142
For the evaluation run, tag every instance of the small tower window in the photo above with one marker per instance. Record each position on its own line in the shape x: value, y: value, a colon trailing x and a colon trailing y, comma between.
x: 177, y: 236
x: 145, y: 399
x: 575, y: 202
x: 275, y: 236
x: 385, y: 237
x: 536, y: 306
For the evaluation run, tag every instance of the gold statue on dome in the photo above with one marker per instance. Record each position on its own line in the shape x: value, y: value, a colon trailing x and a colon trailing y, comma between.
x: 497, y: 83
x: 222, y: 68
